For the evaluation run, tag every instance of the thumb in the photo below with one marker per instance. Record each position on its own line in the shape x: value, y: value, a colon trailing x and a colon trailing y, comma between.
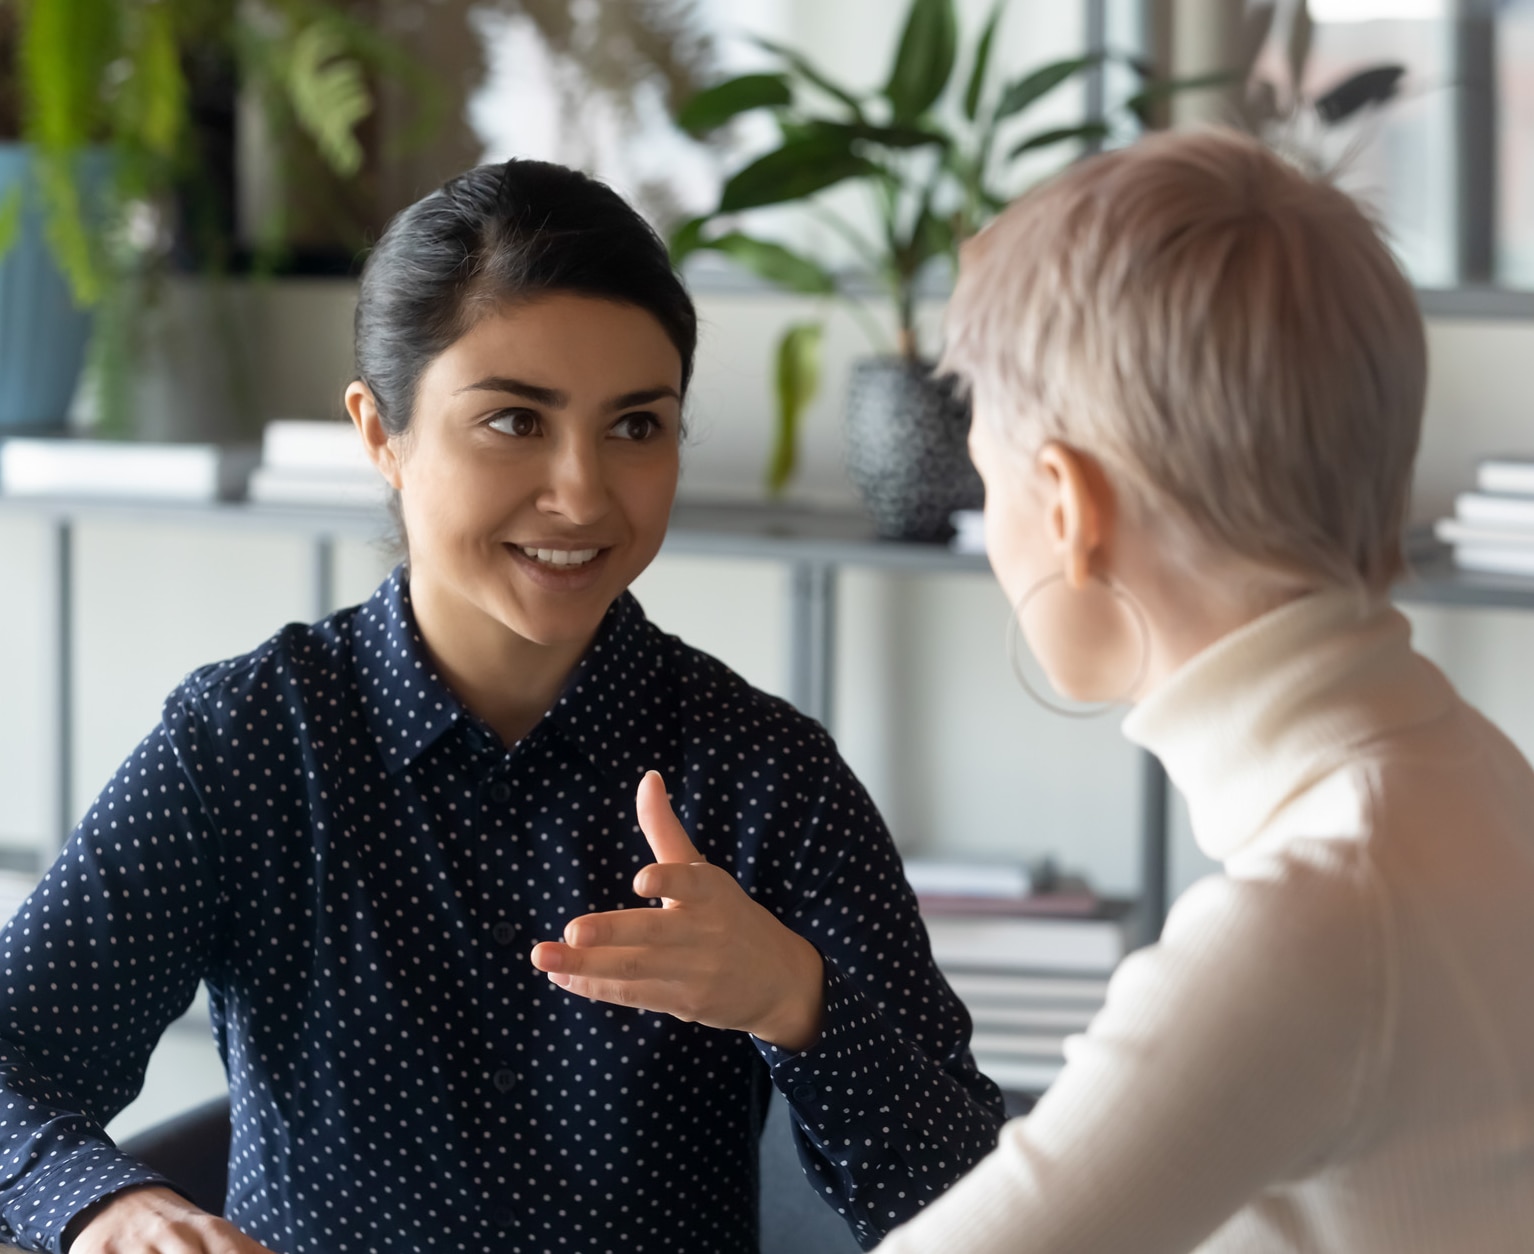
x: 667, y: 837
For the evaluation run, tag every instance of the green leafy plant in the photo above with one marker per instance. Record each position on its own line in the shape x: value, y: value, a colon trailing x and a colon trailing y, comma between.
x: 114, y: 99
x: 934, y: 174
x: 122, y: 76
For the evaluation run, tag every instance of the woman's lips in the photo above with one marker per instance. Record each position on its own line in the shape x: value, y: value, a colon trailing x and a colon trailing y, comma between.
x: 564, y: 571
x: 558, y: 557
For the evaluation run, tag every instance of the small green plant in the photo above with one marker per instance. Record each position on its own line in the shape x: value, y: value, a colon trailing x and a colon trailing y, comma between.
x: 120, y: 76
x: 934, y: 174
x: 110, y: 96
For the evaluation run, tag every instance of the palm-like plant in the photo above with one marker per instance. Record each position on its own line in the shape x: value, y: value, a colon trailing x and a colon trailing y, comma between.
x: 121, y: 76
x: 127, y: 110
x: 934, y: 174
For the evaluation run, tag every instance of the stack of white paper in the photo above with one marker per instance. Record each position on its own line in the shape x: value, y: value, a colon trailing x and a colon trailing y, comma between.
x: 314, y: 462
x: 1493, y: 527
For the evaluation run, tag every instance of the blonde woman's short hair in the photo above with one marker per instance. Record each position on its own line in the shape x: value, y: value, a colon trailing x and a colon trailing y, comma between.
x: 1228, y: 336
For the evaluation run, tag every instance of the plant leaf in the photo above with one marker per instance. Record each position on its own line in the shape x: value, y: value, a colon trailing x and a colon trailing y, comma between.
x: 778, y: 265
x: 714, y: 106
x: 687, y: 239
x: 932, y: 236
x: 924, y: 61
x: 976, y: 88
x: 1088, y: 132
x: 802, y: 67
x: 798, y: 380
x: 153, y: 104
x: 800, y: 168
x: 10, y: 219
x: 889, y: 136
x: 329, y: 95
x: 1022, y: 92
x: 64, y: 53
x: 1373, y: 86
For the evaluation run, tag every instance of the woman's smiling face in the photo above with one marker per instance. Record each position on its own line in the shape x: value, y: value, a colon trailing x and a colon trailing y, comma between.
x: 538, y: 471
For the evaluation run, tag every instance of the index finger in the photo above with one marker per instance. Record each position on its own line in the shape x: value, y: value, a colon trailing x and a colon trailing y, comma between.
x: 667, y: 837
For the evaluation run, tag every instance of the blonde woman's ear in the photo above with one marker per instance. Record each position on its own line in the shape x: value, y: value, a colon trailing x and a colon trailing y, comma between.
x: 1080, y: 508
x: 381, y: 449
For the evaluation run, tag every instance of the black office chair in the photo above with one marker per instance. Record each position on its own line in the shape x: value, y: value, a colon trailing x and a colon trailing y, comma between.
x: 192, y: 1149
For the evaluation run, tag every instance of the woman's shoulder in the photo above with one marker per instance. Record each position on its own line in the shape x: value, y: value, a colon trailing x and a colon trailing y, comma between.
x: 305, y: 654
x: 709, y: 691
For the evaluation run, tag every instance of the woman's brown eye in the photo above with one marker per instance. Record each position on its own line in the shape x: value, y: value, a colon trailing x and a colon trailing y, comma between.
x: 516, y: 422
x: 638, y: 426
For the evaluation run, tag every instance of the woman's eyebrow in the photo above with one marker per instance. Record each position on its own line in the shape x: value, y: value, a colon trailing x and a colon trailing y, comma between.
x: 553, y: 398
x: 643, y: 397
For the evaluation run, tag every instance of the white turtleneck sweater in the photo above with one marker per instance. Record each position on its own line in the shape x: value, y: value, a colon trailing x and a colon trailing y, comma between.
x: 1331, y: 1048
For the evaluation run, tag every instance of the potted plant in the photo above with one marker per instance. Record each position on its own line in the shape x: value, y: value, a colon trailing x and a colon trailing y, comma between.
x: 116, y: 142
x: 934, y: 176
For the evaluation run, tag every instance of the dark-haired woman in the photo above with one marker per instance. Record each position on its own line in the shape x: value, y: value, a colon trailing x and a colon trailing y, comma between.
x: 356, y: 834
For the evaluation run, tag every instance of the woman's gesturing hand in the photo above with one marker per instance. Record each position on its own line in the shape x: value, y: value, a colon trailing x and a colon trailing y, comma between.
x: 158, y: 1221
x: 709, y: 955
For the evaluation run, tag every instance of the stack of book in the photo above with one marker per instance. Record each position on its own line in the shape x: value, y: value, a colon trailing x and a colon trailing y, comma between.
x: 314, y: 462
x: 137, y: 470
x: 1028, y: 952
x: 1493, y: 527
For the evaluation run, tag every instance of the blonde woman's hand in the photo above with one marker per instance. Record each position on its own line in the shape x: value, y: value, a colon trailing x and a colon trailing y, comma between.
x: 155, y: 1220
x: 710, y: 954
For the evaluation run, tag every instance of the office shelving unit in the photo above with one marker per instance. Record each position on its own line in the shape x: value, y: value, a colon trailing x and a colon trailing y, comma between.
x: 814, y: 545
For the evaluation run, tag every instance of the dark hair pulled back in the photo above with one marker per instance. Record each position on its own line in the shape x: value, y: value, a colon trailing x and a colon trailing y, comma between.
x: 494, y: 236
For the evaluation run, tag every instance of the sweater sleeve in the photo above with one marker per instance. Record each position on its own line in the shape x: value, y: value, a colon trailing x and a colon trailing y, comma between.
x: 1235, y: 1053
x: 889, y: 1109
x: 103, y: 955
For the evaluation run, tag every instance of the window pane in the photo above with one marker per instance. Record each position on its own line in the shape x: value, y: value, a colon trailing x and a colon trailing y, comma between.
x: 1398, y: 158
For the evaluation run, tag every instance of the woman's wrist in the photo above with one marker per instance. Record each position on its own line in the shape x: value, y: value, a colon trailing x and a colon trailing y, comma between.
x: 794, y: 1023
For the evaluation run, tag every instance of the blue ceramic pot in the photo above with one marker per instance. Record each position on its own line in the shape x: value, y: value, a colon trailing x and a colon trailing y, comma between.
x: 43, y: 333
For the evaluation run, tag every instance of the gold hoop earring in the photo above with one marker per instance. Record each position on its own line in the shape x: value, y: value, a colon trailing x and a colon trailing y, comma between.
x: 1015, y: 630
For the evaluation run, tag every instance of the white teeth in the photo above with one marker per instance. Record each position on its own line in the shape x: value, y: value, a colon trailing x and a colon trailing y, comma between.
x: 561, y: 557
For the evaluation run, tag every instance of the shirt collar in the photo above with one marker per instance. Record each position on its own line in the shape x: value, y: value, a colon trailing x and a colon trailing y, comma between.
x: 618, y: 685
x: 1271, y: 709
x: 407, y: 705
x: 622, y: 683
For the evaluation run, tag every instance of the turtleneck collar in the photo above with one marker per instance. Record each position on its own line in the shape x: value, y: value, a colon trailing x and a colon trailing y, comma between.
x: 1277, y: 705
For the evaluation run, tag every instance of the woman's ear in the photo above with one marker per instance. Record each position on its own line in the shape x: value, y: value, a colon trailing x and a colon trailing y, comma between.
x: 1080, y: 511
x: 381, y: 450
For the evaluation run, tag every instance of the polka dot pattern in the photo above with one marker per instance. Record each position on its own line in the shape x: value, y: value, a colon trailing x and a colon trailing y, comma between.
x: 357, y: 868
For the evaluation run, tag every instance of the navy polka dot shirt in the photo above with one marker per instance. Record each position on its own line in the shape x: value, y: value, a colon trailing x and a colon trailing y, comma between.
x: 357, y: 867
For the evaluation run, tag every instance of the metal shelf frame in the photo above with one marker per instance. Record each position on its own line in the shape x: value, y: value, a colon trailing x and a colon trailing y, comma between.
x: 815, y: 546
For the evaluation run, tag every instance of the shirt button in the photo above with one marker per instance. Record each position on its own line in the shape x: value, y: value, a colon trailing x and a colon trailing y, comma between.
x: 505, y: 1079
x: 504, y: 933
x: 500, y: 792
x: 502, y: 1217
x: 805, y: 1093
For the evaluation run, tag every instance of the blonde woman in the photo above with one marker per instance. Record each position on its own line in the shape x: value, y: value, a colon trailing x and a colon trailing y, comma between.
x: 1198, y: 382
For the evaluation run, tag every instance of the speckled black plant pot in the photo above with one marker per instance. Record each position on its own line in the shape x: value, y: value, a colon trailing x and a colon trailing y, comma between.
x: 907, y: 451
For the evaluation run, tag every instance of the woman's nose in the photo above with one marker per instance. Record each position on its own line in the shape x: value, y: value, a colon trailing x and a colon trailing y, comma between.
x: 577, y: 484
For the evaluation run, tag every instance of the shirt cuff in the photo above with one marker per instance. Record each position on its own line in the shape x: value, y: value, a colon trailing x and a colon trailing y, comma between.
x: 58, y: 1191
x: 841, y: 1086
